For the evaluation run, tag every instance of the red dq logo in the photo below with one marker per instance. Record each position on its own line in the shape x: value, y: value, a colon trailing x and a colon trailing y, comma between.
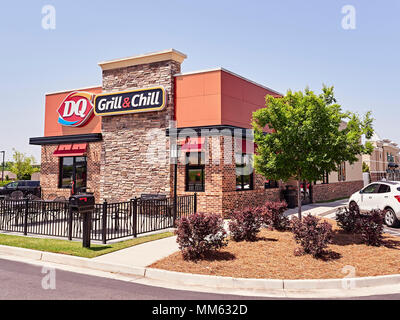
x: 76, y: 109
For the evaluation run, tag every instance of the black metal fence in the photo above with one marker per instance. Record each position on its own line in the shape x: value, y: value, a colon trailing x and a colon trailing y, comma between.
x: 393, y: 176
x: 109, y: 220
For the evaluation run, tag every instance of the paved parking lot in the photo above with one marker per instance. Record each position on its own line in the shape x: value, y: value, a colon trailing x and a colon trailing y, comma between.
x: 332, y: 215
x: 393, y: 231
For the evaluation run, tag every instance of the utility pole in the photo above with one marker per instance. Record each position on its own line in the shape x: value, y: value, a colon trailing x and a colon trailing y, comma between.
x: 2, y: 169
x: 174, y: 158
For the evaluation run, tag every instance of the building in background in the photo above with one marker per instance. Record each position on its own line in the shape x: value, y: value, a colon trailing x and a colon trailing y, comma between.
x: 8, y: 175
x: 385, y: 159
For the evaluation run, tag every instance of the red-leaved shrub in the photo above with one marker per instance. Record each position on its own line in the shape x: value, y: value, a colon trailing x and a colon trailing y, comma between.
x: 312, y: 234
x: 272, y: 213
x: 200, y: 233
x: 370, y: 227
x: 347, y: 219
x: 245, y: 224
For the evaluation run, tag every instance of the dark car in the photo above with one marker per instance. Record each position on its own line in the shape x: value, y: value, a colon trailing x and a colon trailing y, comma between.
x: 26, y: 186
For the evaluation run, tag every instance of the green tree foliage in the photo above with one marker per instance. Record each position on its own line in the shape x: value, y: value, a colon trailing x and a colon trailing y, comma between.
x: 365, y: 167
x: 23, y: 166
x: 309, y: 136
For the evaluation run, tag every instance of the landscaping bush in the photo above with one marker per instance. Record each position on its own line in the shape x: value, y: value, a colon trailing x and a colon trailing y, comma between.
x: 370, y: 227
x: 347, y: 219
x: 273, y: 215
x: 312, y: 234
x: 200, y: 233
x: 245, y: 224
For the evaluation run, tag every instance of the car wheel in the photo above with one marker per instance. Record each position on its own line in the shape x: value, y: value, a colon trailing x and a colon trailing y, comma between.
x: 390, y: 218
x: 354, y: 206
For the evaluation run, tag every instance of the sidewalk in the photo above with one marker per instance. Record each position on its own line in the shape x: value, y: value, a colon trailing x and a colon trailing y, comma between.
x: 142, y: 255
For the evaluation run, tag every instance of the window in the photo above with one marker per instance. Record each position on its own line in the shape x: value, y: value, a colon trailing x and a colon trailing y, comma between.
x: 73, y: 169
x: 195, y: 171
x: 33, y: 183
x: 244, y: 171
x: 342, y: 172
x: 12, y: 185
x: 372, y: 188
x: 269, y: 184
x: 384, y: 188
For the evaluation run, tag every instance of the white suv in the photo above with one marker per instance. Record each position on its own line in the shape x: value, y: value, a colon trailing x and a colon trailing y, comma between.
x: 382, y: 195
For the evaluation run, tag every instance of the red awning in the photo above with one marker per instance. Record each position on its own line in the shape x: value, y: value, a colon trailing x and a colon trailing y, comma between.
x: 70, y: 150
x: 192, y: 144
x: 245, y: 146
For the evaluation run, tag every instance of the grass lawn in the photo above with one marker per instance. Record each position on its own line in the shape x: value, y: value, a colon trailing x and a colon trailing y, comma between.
x: 74, y: 248
x: 272, y: 257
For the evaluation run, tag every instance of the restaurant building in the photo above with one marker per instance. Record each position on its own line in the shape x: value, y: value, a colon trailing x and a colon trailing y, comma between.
x: 121, y: 139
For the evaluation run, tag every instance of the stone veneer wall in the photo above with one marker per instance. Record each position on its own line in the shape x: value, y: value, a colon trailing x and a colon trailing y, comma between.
x: 330, y: 191
x: 50, y: 165
x: 126, y: 168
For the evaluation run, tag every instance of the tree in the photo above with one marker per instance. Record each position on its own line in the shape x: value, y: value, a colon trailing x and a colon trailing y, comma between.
x: 23, y: 166
x: 309, y: 137
x: 365, y: 167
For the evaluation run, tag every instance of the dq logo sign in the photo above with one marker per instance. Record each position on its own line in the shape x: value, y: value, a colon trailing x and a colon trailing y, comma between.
x: 76, y: 109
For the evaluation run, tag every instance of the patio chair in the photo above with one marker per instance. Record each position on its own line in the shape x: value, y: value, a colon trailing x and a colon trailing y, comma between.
x: 17, y: 195
x: 32, y: 197
x: 119, y: 212
x: 15, y: 208
x: 59, y: 199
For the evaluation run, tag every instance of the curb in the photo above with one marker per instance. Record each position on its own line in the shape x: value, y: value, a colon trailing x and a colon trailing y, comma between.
x: 217, y: 282
x: 71, y: 261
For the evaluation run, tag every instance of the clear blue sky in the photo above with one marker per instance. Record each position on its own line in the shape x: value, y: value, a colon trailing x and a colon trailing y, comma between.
x: 281, y: 44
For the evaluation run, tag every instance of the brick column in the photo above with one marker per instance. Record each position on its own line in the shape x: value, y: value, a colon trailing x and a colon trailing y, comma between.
x: 128, y: 166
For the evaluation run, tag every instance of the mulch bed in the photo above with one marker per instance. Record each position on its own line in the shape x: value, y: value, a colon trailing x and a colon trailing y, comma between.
x: 272, y: 257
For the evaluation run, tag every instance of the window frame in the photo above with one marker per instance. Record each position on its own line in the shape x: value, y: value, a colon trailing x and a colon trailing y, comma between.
x: 199, y: 166
x: 242, y: 177
x: 74, y: 165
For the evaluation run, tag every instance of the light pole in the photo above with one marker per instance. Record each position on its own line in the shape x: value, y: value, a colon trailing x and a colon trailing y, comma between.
x: 174, y: 158
x: 2, y: 169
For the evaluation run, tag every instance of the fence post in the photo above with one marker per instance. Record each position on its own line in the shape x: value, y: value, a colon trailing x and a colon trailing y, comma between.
x: 135, y: 212
x: 69, y: 221
x: 104, y: 222
x: 195, y: 202
x: 26, y: 217
x: 175, y: 210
